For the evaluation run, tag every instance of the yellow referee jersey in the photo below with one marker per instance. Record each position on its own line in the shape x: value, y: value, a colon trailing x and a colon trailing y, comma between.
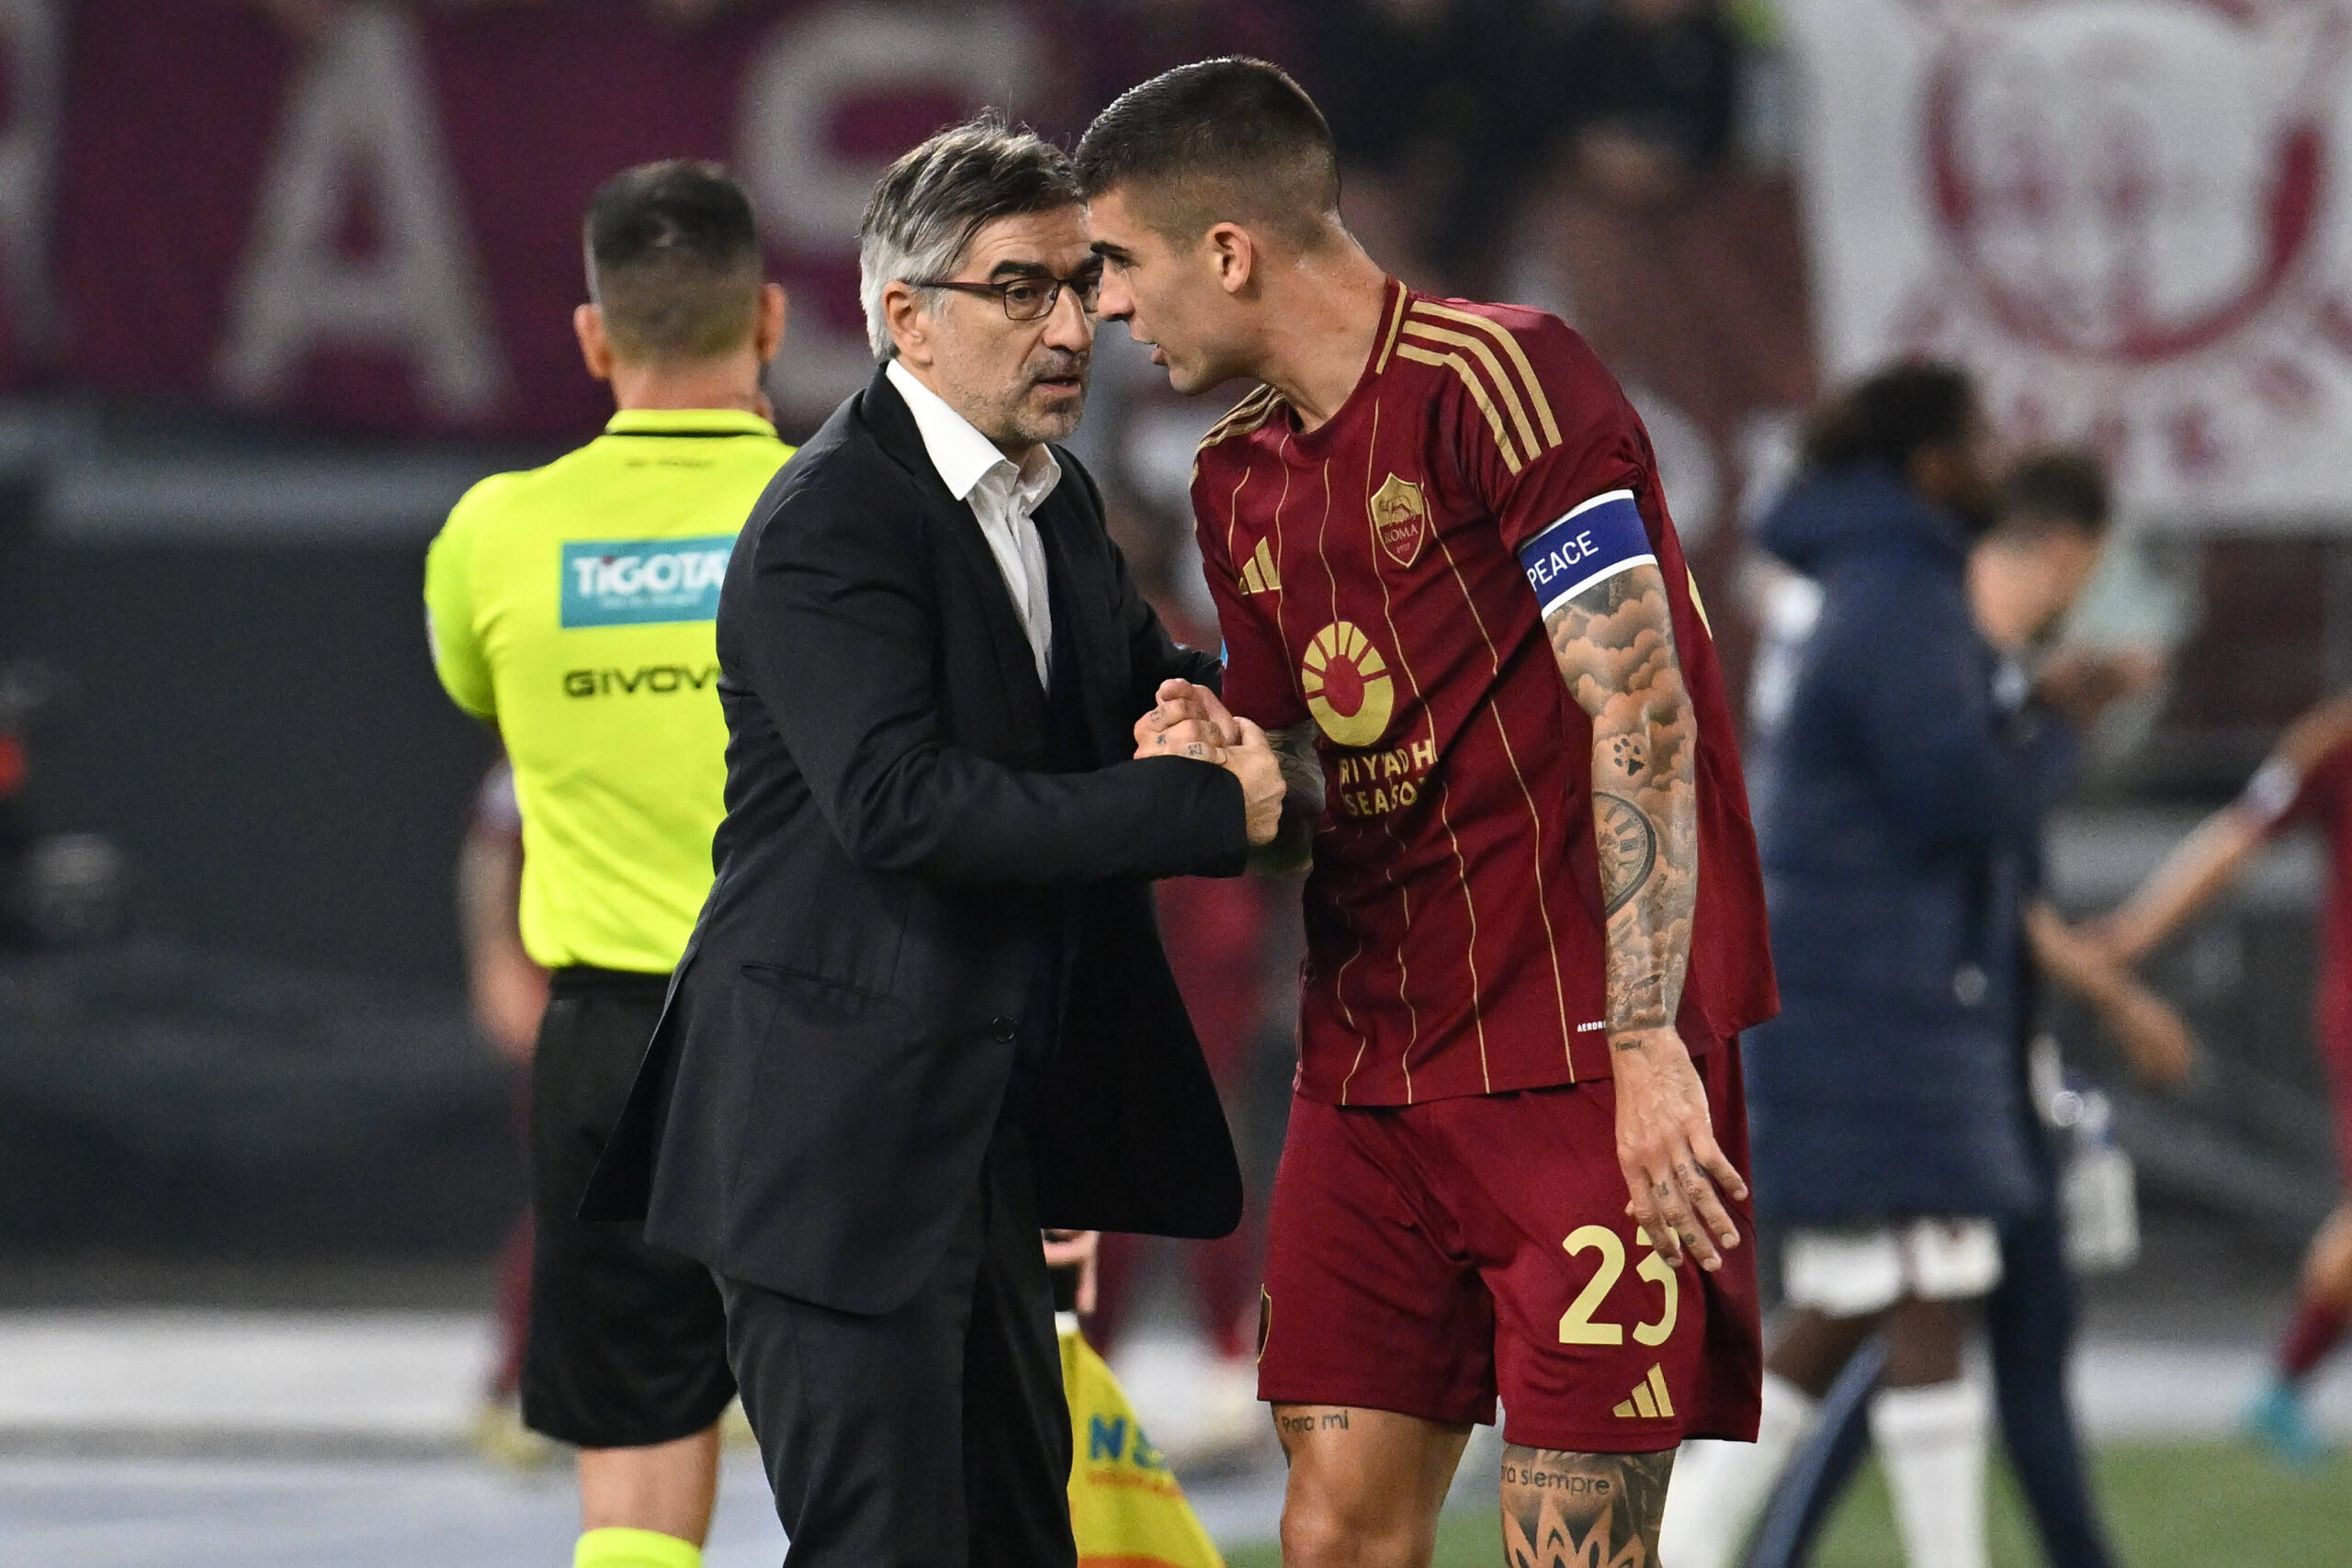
x: 573, y: 605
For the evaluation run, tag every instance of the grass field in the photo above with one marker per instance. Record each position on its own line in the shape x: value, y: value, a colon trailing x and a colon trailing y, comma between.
x: 2170, y: 1505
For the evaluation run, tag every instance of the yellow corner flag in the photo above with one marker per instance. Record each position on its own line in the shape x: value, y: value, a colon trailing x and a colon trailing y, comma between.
x: 1125, y: 1504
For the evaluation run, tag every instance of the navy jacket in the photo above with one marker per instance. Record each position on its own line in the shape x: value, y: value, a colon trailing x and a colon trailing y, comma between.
x: 1898, y: 792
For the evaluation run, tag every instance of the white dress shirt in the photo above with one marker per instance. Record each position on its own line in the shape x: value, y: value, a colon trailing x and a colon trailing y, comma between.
x: 1003, y: 496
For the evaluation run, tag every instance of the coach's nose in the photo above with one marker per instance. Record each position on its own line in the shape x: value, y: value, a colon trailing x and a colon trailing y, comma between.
x: 1067, y: 326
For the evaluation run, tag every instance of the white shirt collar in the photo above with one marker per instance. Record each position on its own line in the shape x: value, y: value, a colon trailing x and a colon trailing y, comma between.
x: 963, y: 456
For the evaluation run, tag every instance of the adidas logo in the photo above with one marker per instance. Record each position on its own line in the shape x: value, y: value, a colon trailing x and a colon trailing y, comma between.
x: 1257, y: 573
x: 1650, y: 1401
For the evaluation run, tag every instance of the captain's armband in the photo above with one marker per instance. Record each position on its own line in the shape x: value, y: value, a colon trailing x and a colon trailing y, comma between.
x: 1592, y: 544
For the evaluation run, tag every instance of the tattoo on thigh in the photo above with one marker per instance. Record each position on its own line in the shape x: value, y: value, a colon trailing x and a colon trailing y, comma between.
x: 1573, y: 1510
x: 1301, y: 1422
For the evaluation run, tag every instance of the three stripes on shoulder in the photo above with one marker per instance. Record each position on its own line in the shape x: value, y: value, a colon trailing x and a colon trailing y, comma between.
x: 1493, y: 368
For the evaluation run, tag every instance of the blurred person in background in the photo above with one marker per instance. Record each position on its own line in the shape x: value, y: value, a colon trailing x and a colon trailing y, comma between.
x: 1896, y: 801
x: 1439, y: 109
x: 507, y: 988
x: 2308, y: 779
x: 1654, y: 88
x: 573, y: 606
x: 509, y: 993
x: 2023, y: 580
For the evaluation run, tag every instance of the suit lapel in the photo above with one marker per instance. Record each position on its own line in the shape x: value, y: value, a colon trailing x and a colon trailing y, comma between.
x: 894, y: 428
x: 1081, y: 609
x: 1016, y: 659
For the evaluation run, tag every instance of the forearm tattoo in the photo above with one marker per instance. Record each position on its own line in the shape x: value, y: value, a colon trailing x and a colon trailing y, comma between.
x: 1301, y: 768
x: 1615, y: 648
x: 1573, y: 1510
x: 1628, y: 845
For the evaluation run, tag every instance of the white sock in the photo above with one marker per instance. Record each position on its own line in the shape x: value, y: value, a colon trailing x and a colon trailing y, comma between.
x: 1931, y: 1442
x: 1717, y: 1489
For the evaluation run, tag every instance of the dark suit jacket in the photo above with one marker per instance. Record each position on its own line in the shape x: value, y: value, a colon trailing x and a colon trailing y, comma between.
x: 813, y: 1110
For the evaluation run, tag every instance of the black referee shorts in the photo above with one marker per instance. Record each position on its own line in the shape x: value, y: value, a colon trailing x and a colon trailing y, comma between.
x: 627, y: 1343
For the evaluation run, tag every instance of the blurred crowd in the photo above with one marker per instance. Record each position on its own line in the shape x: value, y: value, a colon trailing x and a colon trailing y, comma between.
x: 306, y: 18
x: 1450, y: 114
x: 1454, y: 115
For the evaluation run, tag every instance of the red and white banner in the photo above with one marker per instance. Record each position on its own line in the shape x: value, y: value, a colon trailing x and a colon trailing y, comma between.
x: 378, y: 229
x: 2131, y: 218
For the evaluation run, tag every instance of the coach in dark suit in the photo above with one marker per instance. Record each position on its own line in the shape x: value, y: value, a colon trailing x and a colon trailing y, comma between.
x: 926, y: 1010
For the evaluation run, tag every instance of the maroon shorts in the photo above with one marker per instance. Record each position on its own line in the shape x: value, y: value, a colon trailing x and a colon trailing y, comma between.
x: 1425, y: 1257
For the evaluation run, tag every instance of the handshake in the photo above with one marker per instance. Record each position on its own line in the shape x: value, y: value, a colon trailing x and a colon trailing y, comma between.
x: 1189, y: 721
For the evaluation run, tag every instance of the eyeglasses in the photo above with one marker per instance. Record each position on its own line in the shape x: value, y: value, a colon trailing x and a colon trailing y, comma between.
x: 1031, y: 298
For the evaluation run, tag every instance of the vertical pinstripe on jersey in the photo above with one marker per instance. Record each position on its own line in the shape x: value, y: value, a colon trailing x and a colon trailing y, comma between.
x: 1387, y: 874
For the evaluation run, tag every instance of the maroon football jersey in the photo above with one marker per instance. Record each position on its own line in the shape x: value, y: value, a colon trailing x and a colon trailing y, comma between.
x: 1366, y: 577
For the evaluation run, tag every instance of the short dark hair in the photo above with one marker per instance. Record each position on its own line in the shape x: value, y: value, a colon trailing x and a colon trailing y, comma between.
x: 673, y: 260
x: 1232, y: 139
x: 931, y: 202
x: 1891, y: 416
x: 2066, y: 486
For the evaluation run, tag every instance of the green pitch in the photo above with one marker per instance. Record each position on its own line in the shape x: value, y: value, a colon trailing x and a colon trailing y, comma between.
x: 2168, y: 1505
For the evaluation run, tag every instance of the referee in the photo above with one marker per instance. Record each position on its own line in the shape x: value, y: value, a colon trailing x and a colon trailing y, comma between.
x: 572, y: 607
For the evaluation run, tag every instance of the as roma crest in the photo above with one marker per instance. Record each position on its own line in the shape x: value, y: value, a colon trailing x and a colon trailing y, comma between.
x: 1401, y: 520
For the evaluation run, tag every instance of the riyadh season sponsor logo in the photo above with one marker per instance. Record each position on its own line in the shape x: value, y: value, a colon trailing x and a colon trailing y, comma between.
x: 625, y: 583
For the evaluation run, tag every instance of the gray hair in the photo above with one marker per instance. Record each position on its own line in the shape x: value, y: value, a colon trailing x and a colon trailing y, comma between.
x: 932, y: 201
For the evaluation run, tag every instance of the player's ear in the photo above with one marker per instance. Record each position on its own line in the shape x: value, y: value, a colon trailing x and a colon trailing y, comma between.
x: 596, y: 349
x: 1234, y: 255
x: 775, y: 309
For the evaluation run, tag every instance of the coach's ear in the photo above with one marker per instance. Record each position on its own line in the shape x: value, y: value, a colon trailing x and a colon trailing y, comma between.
x: 596, y: 349
x: 907, y: 316
x: 1234, y: 255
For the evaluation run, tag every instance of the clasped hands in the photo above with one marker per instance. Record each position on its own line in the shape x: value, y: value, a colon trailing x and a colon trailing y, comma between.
x: 1190, y: 721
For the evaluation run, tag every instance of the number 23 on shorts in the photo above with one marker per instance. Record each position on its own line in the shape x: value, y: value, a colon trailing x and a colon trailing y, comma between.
x: 1577, y: 1326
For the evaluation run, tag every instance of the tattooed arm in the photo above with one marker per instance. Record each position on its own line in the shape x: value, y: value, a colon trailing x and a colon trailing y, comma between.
x: 1615, y: 647
x: 1294, y: 845
x: 1614, y: 641
x: 1571, y: 1510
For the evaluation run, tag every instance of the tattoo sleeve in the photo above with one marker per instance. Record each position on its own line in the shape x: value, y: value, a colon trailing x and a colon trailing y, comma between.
x: 1573, y: 1510
x: 1294, y: 845
x: 1615, y: 646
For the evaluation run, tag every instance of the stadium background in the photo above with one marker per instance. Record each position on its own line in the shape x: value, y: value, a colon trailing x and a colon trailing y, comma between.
x: 277, y: 280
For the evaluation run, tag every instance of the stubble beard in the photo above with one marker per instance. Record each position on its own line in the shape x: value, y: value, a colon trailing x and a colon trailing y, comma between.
x: 1031, y: 418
